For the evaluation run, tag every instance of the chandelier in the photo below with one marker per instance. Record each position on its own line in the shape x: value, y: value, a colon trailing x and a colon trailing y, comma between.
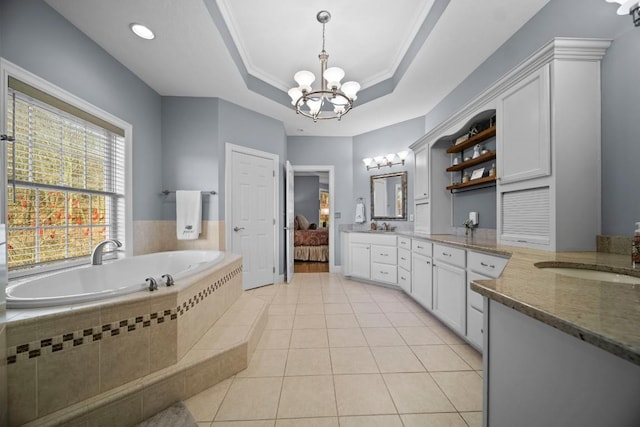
x: 629, y: 7
x: 333, y: 100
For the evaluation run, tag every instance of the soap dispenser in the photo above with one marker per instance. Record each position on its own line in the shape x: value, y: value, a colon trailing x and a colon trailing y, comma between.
x: 635, y: 247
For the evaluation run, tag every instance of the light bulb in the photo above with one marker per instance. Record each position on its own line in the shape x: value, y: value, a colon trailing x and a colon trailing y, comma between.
x: 403, y: 155
x: 295, y: 94
x: 626, y: 6
x: 390, y: 157
x: 367, y: 161
x: 350, y: 89
x: 304, y: 79
x: 333, y: 76
x: 314, y: 106
x: 378, y: 159
x: 338, y: 109
x: 142, y: 31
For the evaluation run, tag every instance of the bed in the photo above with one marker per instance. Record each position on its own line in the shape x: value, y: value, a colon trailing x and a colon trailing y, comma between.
x: 310, y: 244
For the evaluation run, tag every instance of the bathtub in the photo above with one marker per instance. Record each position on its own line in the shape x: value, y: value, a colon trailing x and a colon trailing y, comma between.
x: 120, y: 277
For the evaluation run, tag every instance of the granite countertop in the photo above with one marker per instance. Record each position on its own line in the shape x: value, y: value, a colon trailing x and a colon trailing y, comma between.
x: 604, y: 314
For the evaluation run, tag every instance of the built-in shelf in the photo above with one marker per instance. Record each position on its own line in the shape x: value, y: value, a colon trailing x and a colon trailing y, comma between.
x: 479, y: 137
x: 483, y: 180
x: 469, y: 163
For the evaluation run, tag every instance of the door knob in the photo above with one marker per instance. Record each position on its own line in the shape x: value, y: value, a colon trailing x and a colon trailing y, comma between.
x: 238, y: 228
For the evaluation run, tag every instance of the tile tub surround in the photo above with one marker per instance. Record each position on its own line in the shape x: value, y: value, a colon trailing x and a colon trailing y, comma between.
x: 111, y: 342
x: 218, y: 355
x: 160, y: 236
x: 614, y: 244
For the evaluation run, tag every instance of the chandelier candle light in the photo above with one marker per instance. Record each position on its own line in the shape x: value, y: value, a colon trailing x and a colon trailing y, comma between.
x: 316, y: 104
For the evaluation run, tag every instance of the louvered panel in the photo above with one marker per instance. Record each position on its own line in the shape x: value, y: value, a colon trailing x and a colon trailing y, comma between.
x: 526, y: 215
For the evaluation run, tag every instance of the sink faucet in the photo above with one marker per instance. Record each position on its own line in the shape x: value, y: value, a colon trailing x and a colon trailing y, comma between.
x: 96, y: 255
x: 385, y: 226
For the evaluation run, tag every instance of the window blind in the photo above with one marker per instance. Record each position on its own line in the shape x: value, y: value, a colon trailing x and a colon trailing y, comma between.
x: 66, y: 180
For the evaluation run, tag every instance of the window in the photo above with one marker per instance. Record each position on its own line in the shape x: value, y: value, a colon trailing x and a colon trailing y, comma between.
x: 65, y: 175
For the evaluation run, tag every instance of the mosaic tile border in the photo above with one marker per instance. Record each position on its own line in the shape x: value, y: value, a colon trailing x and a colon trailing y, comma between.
x: 72, y: 339
x: 205, y: 293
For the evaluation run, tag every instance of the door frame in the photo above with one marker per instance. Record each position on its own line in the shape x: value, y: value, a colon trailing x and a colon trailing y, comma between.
x: 332, y: 231
x: 228, y: 211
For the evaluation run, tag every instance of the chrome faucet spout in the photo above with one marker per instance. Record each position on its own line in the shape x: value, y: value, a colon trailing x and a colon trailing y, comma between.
x: 96, y: 255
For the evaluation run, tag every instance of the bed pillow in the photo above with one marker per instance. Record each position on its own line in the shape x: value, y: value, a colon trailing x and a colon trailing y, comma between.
x: 302, y: 222
x: 296, y: 225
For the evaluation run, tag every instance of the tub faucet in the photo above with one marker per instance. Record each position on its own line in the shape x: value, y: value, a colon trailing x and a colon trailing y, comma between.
x: 153, y: 284
x: 169, y: 279
x: 96, y: 255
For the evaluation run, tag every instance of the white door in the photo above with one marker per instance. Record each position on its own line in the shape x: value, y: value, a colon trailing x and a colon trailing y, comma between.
x: 253, y: 217
x: 290, y: 218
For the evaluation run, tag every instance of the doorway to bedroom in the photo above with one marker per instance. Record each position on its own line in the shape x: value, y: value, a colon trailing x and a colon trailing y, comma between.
x: 312, y: 225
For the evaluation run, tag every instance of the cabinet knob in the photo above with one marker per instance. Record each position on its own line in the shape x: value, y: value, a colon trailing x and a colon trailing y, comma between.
x: 446, y: 254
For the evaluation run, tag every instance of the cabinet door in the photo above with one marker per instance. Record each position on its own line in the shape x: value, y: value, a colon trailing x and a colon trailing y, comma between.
x: 523, y: 129
x: 422, y: 281
x: 360, y: 260
x: 421, y: 180
x: 449, y: 302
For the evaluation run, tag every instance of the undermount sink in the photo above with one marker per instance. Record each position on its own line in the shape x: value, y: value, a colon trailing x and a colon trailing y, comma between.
x: 604, y: 276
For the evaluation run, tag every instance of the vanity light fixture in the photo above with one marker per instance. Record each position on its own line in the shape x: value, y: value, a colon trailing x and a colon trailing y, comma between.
x: 388, y: 160
x: 629, y: 7
x: 142, y: 31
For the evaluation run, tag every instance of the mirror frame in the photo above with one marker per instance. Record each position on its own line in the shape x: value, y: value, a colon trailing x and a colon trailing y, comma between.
x: 403, y: 176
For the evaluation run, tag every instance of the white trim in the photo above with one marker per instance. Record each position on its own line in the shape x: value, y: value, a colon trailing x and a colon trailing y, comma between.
x: 229, y: 149
x: 332, y: 226
x: 9, y: 69
x: 558, y: 48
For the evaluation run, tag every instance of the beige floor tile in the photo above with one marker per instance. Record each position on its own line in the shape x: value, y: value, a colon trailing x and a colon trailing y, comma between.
x: 362, y: 395
x: 371, y: 421
x: 308, y: 361
x: 383, y: 337
x: 464, y: 389
x: 365, y: 307
x: 309, y: 338
x: 340, y: 298
x: 317, y: 308
x: 340, y: 308
x: 417, y: 393
x: 289, y: 299
x: 265, y: 363
x: 396, y: 359
x: 251, y: 399
x: 446, y: 335
x: 275, y: 339
x: 307, y: 397
x: 393, y: 307
x: 311, y: 288
x: 353, y: 360
x: 419, y: 335
x: 204, y: 405
x: 451, y: 419
x: 309, y: 321
x: 308, y: 422
x: 470, y: 355
x: 373, y: 320
x: 427, y: 318
x: 282, y: 309
x: 205, y: 424
x: 257, y: 423
x: 310, y: 299
x: 473, y: 419
x: 337, y: 321
x: 439, y: 358
x: 404, y: 319
x: 280, y: 322
x: 358, y: 296
x: 351, y: 337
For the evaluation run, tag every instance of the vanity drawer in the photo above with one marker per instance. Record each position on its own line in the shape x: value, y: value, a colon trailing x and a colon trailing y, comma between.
x: 384, y: 254
x: 489, y: 265
x: 475, y: 330
x: 404, y: 259
x: 474, y: 299
x: 449, y: 255
x: 384, y: 273
x: 404, y: 243
x: 421, y: 247
x: 404, y: 280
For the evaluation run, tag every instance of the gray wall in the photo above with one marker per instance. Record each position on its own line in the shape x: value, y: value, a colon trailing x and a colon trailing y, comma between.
x: 390, y: 139
x: 36, y: 38
x: 307, y: 197
x: 336, y: 151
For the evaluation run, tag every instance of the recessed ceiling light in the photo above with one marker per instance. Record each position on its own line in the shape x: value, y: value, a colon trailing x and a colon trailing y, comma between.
x: 142, y: 31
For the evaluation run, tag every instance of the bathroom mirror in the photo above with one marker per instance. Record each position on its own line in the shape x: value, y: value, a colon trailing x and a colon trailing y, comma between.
x: 389, y: 196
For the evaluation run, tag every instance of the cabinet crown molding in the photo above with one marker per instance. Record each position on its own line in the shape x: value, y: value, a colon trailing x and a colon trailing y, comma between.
x: 559, y: 48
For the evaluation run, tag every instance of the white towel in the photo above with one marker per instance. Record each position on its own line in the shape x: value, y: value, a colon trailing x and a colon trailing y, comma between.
x: 188, y: 214
x: 360, y: 213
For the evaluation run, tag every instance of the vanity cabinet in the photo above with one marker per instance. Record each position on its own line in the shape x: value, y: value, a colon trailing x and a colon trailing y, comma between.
x: 449, y: 286
x: 360, y: 260
x: 370, y: 256
x: 422, y: 273
x: 404, y: 263
x: 421, y: 175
